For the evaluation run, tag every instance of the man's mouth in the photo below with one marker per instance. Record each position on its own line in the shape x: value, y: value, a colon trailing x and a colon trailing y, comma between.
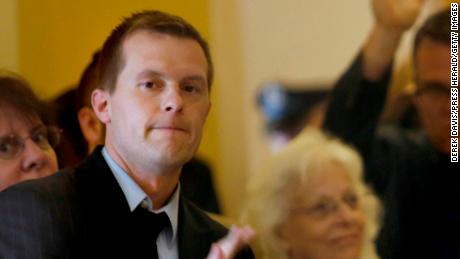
x: 170, y: 129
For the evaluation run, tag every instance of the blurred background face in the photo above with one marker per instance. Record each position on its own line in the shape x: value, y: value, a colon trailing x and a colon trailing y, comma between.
x: 326, y: 221
x: 432, y: 100
x: 25, y: 152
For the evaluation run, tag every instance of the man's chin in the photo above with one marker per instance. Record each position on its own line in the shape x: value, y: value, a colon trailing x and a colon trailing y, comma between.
x: 174, y: 159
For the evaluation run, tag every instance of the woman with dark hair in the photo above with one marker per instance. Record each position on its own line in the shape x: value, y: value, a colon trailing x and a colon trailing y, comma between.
x: 27, y: 136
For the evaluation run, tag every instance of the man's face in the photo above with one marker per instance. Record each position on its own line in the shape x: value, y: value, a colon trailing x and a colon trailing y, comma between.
x: 155, y: 115
x: 432, y: 76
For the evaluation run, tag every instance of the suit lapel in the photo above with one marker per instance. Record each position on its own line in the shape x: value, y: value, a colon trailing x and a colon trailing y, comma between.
x: 98, y: 186
x: 106, y: 216
x: 195, y: 232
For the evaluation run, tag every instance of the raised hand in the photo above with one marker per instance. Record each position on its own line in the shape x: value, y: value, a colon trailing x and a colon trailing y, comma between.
x: 235, y: 240
x: 397, y: 15
x: 392, y: 19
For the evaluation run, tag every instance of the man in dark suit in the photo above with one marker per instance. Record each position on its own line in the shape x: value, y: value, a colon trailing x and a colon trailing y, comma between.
x: 124, y: 201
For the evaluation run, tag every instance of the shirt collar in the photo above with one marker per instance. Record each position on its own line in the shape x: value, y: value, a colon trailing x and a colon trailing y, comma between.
x: 135, y: 196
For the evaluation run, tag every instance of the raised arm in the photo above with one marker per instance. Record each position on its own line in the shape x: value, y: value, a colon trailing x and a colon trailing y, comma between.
x: 358, y: 97
x: 391, y: 19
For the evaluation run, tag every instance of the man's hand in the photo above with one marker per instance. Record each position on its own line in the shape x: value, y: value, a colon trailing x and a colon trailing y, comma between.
x: 392, y: 19
x: 235, y: 240
x: 397, y: 15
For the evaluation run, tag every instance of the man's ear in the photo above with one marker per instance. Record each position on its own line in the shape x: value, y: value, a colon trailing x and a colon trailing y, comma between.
x: 100, y: 102
x: 91, y: 127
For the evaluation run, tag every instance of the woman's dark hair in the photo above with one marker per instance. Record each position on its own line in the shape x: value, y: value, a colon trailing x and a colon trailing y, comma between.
x: 15, y: 93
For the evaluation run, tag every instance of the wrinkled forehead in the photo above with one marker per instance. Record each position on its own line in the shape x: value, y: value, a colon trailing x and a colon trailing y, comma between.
x: 326, y: 178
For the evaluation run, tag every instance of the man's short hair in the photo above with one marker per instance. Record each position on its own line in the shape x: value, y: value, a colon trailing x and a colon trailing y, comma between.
x: 436, y: 27
x: 111, y: 59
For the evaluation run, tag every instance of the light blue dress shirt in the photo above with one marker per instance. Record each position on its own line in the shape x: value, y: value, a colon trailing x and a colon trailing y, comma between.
x: 167, y: 239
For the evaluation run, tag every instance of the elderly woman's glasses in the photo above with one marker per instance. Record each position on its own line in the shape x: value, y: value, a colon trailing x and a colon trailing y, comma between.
x: 327, y: 206
x: 45, y: 138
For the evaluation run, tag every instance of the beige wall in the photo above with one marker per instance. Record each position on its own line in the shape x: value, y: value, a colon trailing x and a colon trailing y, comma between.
x: 8, y: 38
x: 226, y: 41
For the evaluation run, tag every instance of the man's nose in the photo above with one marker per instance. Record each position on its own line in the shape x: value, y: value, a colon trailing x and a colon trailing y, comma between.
x: 172, y: 100
x: 33, y: 157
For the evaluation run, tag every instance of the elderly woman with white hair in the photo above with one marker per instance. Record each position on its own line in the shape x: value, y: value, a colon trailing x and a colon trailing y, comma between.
x: 310, y: 202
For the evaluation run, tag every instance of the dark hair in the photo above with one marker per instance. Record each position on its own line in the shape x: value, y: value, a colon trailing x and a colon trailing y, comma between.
x: 72, y: 148
x: 111, y: 59
x: 88, y: 82
x: 17, y: 94
x: 436, y: 27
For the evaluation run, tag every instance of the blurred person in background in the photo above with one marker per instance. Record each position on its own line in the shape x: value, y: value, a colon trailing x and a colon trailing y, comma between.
x: 287, y: 110
x: 90, y: 127
x: 410, y: 170
x: 72, y: 148
x: 27, y: 135
x: 309, y: 201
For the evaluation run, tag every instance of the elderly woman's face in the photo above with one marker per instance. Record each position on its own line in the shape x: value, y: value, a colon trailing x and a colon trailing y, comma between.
x: 24, y: 149
x: 327, y: 221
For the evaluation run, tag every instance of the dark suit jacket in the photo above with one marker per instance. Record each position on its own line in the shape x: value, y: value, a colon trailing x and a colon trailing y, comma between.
x: 82, y: 213
x: 196, y: 184
x: 419, y: 187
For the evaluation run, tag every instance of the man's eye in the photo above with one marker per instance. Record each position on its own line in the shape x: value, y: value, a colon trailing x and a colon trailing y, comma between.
x: 147, y: 84
x: 190, y: 88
